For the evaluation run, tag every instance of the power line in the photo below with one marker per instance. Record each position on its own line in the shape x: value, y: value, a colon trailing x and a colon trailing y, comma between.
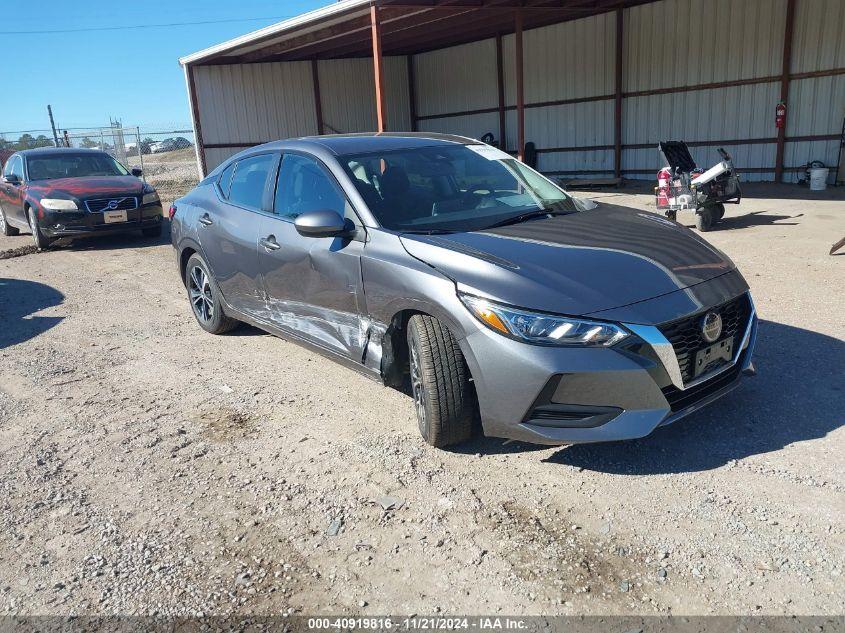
x: 141, y: 26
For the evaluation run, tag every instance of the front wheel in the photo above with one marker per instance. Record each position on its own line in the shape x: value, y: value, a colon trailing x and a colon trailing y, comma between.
x: 720, y: 211
x: 205, y: 299
x: 439, y: 382
x: 42, y: 242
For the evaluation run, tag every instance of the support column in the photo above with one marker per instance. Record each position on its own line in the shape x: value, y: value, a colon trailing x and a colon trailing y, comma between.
x: 617, y: 112
x: 195, y: 116
x: 318, y: 102
x: 520, y: 93
x: 378, y: 70
x: 500, y: 85
x: 786, y: 68
x: 412, y: 92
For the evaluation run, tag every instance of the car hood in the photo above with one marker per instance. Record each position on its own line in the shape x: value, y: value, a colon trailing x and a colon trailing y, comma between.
x: 88, y: 187
x: 574, y: 264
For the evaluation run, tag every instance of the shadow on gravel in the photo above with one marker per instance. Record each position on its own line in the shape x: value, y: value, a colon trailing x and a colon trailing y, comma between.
x: 755, y: 218
x: 20, y: 299
x: 798, y: 395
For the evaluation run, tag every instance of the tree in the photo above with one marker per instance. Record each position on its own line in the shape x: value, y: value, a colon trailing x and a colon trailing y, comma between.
x: 42, y: 141
x: 88, y: 143
x: 26, y: 141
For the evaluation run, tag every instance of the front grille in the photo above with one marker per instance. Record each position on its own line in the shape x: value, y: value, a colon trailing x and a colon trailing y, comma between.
x: 120, y: 204
x: 686, y: 339
x: 679, y: 400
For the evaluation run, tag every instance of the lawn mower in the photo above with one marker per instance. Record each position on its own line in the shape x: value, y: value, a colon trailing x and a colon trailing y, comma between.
x: 682, y: 185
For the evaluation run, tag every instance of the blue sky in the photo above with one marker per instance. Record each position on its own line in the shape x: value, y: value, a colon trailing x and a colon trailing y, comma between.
x: 131, y: 74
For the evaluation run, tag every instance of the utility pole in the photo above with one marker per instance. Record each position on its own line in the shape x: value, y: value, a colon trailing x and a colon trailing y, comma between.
x: 53, y: 125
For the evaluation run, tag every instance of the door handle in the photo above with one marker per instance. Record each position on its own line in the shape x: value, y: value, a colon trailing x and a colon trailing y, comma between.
x: 206, y: 220
x: 270, y: 243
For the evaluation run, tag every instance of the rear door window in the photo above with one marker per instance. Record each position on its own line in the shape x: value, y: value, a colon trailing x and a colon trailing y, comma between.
x: 226, y: 179
x: 250, y: 181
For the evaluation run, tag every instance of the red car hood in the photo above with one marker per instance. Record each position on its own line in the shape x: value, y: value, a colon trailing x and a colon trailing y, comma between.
x: 88, y: 187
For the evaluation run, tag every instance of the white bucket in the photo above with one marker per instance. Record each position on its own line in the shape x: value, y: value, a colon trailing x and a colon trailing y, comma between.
x: 818, y: 178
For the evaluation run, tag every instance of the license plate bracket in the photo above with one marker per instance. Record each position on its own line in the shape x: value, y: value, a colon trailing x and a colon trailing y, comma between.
x: 113, y: 217
x: 720, y: 350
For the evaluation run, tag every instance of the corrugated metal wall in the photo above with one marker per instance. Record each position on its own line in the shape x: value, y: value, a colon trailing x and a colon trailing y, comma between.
x: 816, y: 105
x: 711, y: 41
x: 669, y: 44
x: 347, y: 90
x: 253, y: 103
x: 245, y: 104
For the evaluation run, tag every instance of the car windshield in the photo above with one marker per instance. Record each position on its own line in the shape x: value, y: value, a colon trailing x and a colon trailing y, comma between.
x: 451, y: 188
x: 73, y: 166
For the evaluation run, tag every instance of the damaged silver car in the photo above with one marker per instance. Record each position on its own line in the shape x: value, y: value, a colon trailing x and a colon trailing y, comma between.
x: 447, y: 267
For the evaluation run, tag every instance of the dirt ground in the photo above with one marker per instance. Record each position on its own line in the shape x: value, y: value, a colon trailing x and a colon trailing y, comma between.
x: 149, y: 468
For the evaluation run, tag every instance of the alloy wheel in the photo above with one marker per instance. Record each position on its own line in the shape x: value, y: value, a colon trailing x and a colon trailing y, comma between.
x: 418, y: 390
x: 199, y: 290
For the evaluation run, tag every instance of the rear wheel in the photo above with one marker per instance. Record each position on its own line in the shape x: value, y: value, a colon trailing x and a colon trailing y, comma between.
x: 42, y: 242
x: 440, y: 383
x: 205, y: 299
x: 704, y: 218
x: 5, y: 228
x: 720, y: 211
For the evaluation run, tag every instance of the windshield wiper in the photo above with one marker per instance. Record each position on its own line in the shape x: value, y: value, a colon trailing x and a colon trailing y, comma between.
x: 522, y: 217
x: 430, y: 231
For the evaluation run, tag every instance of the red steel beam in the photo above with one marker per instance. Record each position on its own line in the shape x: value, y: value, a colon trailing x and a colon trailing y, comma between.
x: 318, y: 102
x: 617, y: 110
x: 412, y: 92
x: 378, y: 70
x: 520, y: 88
x: 500, y: 86
x: 784, y: 84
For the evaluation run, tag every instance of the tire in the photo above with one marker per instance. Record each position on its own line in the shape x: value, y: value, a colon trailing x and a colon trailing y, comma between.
x: 5, y: 228
x: 439, y: 382
x: 704, y: 219
x: 204, y: 297
x: 720, y: 211
x: 42, y: 242
x: 153, y: 231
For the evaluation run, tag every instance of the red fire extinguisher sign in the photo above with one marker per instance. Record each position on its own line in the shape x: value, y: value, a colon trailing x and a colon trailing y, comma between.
x: 780, y: 115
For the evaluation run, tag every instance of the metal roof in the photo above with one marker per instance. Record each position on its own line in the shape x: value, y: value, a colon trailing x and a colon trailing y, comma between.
x: 342, y: 29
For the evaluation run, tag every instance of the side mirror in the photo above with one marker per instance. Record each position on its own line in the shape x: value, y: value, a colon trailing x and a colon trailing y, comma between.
x: 323, y: 223
x: 137, y: 172
x: 12, y: 179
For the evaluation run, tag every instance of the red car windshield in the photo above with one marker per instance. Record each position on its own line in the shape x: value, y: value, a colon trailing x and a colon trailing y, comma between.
x: 73, y: 166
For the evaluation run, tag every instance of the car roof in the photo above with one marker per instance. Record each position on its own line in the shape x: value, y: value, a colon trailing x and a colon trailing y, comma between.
x: 55, y: 151
x: 340, y: 144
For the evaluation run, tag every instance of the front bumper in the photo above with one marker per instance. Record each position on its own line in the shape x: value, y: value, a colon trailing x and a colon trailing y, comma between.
x: 79, y: 223
x: 556, y: 395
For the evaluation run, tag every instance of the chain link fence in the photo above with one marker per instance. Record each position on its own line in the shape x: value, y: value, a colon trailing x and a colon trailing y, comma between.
x: 167, y: 157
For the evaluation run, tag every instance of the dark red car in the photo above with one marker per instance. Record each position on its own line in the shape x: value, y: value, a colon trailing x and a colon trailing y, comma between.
x: 65, y: 192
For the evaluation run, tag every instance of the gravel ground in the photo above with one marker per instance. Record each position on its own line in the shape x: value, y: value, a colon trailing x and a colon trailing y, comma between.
x: 149, y: 468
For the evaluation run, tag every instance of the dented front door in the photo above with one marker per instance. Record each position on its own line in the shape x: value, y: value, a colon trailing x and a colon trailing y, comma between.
x: 312, y: 285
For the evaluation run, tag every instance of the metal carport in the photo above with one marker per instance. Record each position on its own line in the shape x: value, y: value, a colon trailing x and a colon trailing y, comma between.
x: 593, y: 83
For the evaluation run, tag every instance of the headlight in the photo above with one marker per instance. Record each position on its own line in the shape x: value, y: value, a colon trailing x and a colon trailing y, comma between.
x: 58, y: 204
x: 150, y: 198
x: 540, y: 328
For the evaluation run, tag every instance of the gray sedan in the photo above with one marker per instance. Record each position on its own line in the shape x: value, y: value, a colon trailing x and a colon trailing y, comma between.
x: 448, y: 268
